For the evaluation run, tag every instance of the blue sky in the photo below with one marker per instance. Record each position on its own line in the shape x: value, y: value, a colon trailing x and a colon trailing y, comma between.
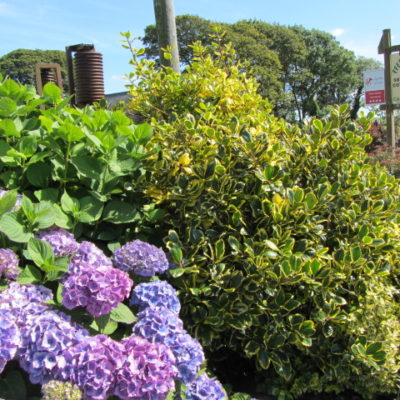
x: 54, y: 24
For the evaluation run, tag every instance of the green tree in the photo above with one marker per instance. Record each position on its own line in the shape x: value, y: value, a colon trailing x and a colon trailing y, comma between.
x: 19, y: 64
x: 300, y: 71
x: 190, y: 28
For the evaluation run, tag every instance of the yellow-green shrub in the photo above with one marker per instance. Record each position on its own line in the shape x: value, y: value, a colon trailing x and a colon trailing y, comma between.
x: 282, y: 232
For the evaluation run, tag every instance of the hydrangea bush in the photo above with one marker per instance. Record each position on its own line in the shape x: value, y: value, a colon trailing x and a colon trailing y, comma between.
x: 64, y: 340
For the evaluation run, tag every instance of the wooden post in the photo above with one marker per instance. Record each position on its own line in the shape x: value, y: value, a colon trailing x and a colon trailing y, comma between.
x: 166, y: 30
x: 385, y: 47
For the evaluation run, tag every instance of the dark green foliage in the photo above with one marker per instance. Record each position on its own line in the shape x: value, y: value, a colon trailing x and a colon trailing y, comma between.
x: 287, y: 241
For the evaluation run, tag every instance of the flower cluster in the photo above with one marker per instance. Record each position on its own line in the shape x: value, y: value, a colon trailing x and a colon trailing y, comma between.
x: 24, y: 302
x: 98, y: 289
x: 147, y: 372
x: 58, y: 390
x: 91, y: 365
x: 68, y: 363
x: 8, y: 264
x: 91, y: 280
x: 155, y: 294
x: 62, y: 242
x: 9, y: 338
x: 141, y: 258
x: 160, y: 325
x: 205, y: 388
x: 88, y: 254
x: 43, y: 342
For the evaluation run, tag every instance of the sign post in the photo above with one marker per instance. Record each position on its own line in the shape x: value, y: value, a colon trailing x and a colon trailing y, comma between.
x: 374, y: 86
x: 385, y: 47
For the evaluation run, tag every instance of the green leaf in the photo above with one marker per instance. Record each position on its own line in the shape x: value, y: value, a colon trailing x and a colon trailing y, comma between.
x: 69, y: 204
x: 119, y: 212
x: 8, y: 127
x: 234, y: 243
x: 40, y: 252
x: 123, y: 313
x: 7, y: 201
x: 263, y: 359
x: 271, y: 245
x: 356, y: 253
x: 104, y: 324
x: 28, y: 146
x: 50, y: 195
x: 53, y: 92
x: 176, y: 253
x: 310, y: 200
x: 373, y: 348
x: 88, y: 167
x: 12, y: 227
x: 7, y: 106
x: 45, y: 215
x: 29, y: 274
x: 143, y: 133
x: 276, y: 341
x: 39, y: 174
x: 219, y: 249
x: 90, y: 209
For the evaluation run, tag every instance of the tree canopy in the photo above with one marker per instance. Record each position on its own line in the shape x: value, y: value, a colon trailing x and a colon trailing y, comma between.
x: 301, y: 71
x: 19, y: 64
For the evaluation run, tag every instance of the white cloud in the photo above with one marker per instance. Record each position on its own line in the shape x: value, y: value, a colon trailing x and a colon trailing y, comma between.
x: 118, y: 78
x: 338, y: 31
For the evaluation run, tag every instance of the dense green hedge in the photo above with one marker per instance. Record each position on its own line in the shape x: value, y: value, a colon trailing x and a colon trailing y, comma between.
x: 288, y: 241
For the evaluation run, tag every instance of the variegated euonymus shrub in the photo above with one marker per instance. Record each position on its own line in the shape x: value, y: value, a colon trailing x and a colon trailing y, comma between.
x: 287, y: 240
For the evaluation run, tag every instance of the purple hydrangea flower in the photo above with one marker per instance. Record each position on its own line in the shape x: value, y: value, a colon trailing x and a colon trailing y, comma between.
x: 141, y: 258
x: 147, y: 372
x: 25, y: 302
x: 88, y: 254
x: 205, y: 388
x: 62, y: 242
x: 10, y: 339
x: 8, y: 264
x: 155, y: 294
x: 43, y: 342
x: 57, y: 390
x: 98, y: 289
x: 92, y: 365
x: 188, y: 353
x: 157, y: 325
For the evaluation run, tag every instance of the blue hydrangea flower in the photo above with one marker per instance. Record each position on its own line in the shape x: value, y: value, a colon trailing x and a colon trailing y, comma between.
x: 205, y: 388
x: 62, y: 241
x: 10, y: 339
x: 8, y: 264
x: 156, y: 294
x: 43, y: 342
x: 188, y: 353
x: 92, y: 365
x: 57, y: 390
x: 157, y: 324
x: 98, y: 289
x: 141, y: 258
x: 147, y: 372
